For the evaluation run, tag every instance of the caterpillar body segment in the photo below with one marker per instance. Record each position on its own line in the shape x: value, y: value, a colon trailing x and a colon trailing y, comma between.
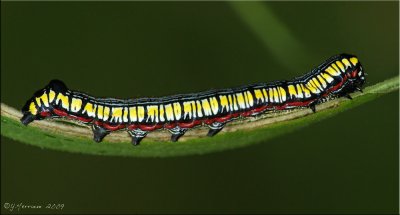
x: 337, y: 77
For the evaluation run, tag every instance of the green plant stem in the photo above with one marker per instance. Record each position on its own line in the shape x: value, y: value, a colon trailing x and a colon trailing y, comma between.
x: 273, y: 33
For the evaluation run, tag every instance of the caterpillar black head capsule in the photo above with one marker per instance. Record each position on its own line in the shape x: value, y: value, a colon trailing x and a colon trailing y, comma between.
x: 39, y: 106
x: 31, y: 110
x: 27, y: 118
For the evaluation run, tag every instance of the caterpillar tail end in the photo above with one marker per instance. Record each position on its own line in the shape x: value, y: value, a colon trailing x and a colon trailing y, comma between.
x: 27, y: 118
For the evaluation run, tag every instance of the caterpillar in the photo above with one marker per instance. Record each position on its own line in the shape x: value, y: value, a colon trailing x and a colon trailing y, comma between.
x: 338, y: 76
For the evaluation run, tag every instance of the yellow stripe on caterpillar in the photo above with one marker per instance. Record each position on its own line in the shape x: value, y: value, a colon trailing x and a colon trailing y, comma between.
x: 32, y: 108
x: 76, y: 105
x: 64, y: 101
x: 214, y: 105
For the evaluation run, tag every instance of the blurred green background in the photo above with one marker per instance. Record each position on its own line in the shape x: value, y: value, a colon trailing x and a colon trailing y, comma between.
x: 346, y: 164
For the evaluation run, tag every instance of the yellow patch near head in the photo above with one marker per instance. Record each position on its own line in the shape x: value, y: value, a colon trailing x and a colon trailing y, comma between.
x: 52, y: 95
x: 354, y: 61
x: 42, y: 99
x: 38, y: 101
x: 32, y: 108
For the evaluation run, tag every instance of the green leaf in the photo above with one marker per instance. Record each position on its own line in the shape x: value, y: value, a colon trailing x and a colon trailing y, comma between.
x: 72, y: 137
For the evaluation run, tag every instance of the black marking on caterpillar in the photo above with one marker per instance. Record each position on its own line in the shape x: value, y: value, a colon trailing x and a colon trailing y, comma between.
x: 336, y: 77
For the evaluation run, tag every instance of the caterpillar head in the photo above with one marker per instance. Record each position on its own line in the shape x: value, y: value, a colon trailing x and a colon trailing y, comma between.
x: 352, y: 76
x: 39, y: 106
x: 356, y: 76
